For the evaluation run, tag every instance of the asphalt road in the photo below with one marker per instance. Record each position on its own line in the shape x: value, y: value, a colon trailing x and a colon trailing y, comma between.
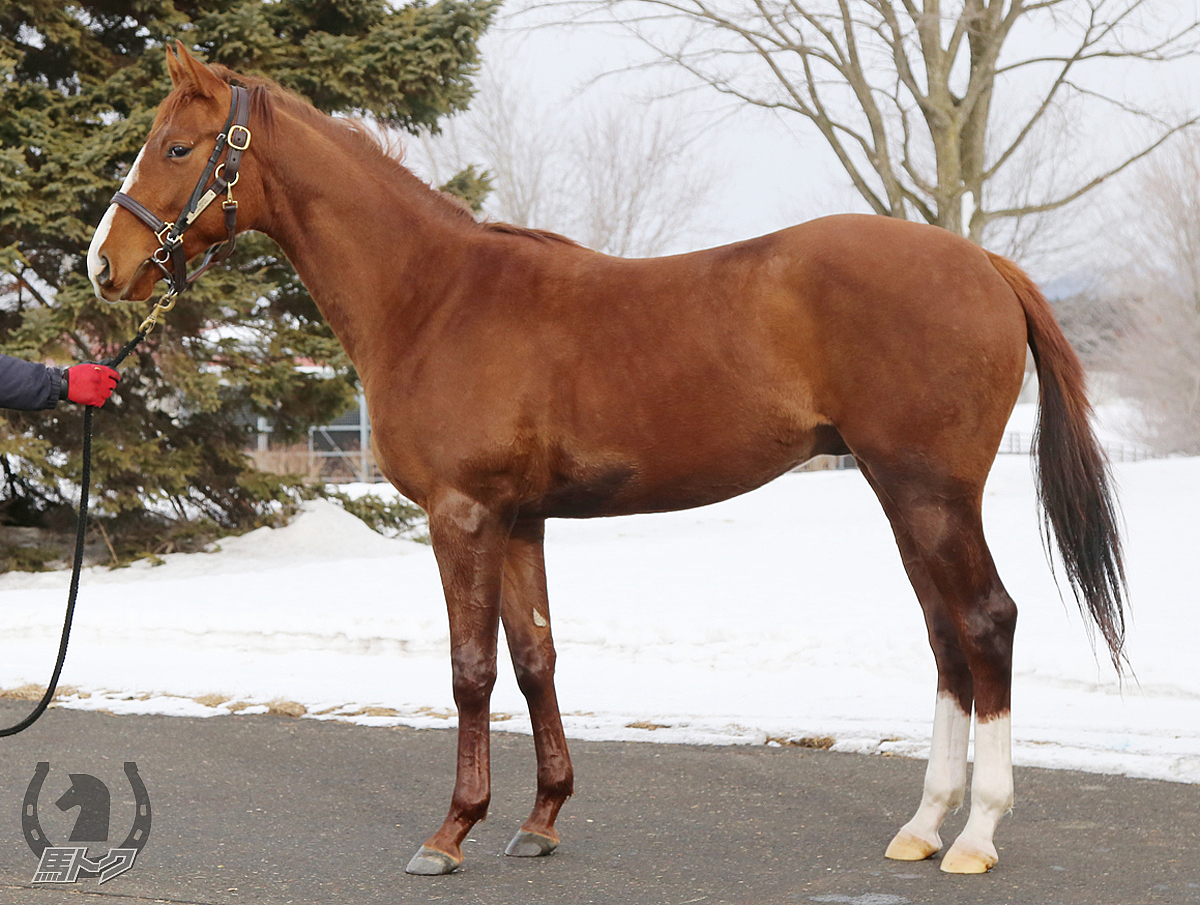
x: 270, y: 809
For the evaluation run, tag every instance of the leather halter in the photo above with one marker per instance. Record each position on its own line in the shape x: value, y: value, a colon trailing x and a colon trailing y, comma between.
x: 234, y: 139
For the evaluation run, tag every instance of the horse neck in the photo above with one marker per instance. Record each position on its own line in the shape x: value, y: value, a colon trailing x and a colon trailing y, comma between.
x: 369, y: 239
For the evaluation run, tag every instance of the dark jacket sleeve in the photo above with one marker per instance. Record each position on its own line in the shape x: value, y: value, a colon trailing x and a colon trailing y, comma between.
x: 28, y: 385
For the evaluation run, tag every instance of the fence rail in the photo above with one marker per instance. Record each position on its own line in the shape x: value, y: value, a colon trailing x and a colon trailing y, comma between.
x: 1020, y: 443
x: 1016, y: 443
x: 341, y: 451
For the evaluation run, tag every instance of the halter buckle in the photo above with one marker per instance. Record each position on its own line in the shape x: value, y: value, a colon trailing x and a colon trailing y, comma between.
x: 163, y: 235
x: 233, y: 144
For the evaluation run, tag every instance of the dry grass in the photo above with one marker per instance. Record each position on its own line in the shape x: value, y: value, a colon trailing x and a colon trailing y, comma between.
x: 31, y: 692
x: 818, y: 742
x: 286, y: 708
x: 646, y: 724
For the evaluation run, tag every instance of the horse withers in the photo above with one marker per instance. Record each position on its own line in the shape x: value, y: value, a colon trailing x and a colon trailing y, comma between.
x: 513, y: 376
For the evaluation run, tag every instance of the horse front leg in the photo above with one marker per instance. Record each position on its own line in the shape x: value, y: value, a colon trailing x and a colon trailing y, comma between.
x: 469, y: 542
x: 525, y: 612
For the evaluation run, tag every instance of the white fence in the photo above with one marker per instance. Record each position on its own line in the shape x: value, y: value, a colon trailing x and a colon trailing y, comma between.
x: 1019, y: 443
x: 341, y: 451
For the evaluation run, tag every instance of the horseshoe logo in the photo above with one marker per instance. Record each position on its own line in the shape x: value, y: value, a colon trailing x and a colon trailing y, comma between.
x: 91, y: 796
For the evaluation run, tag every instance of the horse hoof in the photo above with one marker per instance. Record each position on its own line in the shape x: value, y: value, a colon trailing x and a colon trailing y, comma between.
x: 429, y: 862
x: 965, y: 858
x: 530, y: 845
x: 906, y: 846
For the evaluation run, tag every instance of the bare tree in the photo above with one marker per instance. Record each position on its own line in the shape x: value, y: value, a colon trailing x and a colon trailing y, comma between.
x: 640, y: 182
x: 504, y: 132
x: 906, y: 93
x: 625, y: 177
x: 1158, y: 274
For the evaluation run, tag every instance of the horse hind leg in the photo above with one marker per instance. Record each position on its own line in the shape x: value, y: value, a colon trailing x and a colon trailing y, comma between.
x: 946, y: 774
x: 971, y: 621
x: 525, y: 613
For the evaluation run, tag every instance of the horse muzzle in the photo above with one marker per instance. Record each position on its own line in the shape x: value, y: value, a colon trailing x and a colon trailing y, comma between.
x: 110, y: 281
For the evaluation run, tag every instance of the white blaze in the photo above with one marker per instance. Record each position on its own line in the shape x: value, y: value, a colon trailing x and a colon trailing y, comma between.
x: 94, y: 264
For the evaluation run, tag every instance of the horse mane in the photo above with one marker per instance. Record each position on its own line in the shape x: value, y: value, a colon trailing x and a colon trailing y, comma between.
x: 267, y: 96
x: 511, y: 229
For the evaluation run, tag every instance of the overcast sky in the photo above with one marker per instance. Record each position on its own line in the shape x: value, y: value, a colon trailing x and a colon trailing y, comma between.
x: 771, y: 171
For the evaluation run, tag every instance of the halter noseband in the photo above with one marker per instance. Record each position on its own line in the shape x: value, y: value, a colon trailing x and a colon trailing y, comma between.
x: 169, y: 256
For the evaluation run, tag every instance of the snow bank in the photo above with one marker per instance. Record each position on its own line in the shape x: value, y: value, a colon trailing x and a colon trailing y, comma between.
x: 780, y: 615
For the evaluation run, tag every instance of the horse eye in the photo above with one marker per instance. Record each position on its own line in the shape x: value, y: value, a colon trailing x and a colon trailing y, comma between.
x: 175, y: 152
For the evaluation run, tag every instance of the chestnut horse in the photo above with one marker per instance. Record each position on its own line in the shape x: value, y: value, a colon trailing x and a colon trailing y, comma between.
x: 514, y: 376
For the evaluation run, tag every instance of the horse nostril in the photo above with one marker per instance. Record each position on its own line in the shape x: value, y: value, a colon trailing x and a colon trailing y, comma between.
x: 105, y: 270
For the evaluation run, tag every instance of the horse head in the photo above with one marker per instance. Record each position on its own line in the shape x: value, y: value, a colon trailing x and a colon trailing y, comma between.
x: 163, y: 215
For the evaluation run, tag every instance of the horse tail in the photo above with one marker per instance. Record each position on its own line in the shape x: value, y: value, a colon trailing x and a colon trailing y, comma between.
x: 1074, y: 480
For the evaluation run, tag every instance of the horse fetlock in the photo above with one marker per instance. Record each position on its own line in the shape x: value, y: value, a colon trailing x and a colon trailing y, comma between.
x: 466, y: 811
x: 555, y: 787
x: 938, y: 800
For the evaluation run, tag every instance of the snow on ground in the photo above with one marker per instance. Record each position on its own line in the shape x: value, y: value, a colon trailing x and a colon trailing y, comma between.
x: 779, y: 615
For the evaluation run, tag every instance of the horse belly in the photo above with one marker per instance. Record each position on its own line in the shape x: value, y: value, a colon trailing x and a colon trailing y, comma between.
x: 681, y: 475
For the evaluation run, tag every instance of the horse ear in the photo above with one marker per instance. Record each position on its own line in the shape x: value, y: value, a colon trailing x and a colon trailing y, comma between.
x: 175, y: 68
x: 185, y: 69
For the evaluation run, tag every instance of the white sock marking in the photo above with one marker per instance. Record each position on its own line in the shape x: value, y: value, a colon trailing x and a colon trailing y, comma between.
x: 946, y: 775
x: 991, y: 783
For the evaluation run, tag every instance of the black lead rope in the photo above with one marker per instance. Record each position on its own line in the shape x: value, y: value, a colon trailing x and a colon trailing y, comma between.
x: 85, y: 481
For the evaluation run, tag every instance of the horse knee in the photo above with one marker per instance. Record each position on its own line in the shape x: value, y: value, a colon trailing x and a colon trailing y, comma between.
x: 533, y: 665
x: 473, y: 679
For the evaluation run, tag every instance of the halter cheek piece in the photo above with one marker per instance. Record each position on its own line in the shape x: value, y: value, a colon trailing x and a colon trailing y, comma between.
x: 234, y: 139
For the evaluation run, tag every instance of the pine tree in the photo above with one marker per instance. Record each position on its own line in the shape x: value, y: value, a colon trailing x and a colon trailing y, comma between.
x: 79, y: 82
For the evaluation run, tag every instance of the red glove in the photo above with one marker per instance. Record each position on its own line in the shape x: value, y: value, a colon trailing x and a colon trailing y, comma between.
x: 90, y: 384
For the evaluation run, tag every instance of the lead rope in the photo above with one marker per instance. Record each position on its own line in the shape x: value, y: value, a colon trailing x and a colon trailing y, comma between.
x: 166, y: 303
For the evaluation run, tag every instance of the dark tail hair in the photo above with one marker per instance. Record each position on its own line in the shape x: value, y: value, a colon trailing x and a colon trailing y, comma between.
x: 1074, y: 480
